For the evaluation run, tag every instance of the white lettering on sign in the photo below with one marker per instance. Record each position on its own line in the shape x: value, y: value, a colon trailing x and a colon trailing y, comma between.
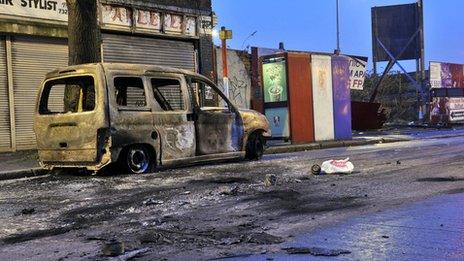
x: 41, y: 9
x: 357, y: 73
x: 206, y: 25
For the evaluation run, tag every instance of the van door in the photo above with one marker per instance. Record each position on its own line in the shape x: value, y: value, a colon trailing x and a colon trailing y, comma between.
x: 70, y: 116
x: 172, y: 116
x: 218, y: 124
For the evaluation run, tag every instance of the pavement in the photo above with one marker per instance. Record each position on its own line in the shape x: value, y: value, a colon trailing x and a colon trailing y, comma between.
x: 24, y: 163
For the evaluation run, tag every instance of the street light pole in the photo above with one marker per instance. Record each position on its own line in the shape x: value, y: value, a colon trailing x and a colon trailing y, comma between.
x: 338, y: 27
x: 225, y: 35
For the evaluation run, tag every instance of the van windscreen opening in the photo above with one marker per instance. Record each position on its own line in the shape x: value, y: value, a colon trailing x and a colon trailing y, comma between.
x: 68, y: 95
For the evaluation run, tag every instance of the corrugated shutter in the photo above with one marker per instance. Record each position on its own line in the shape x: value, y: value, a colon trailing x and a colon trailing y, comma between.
x: 32, y: 59
x: 142, y: 50
x: 5, y: 136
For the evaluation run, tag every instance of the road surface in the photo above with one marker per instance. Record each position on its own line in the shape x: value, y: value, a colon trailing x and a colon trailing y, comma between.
x: 225, y: 210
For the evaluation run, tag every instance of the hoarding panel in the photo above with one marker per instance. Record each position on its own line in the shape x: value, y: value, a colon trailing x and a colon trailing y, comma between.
x: 394, y: 26
x: 275, y: 80
x: 341, y: 97
x: 279, y: 122
x: 301, y: 98
x: 321, y: 70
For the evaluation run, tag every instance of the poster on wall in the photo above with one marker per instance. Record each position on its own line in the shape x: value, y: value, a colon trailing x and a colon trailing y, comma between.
x: 446, y: 75
x: 190, y: 26
x: 357, y: 69
x: 116, y: 16
x: 279, y: 122
x: 148, y: 20
x: 56, y: 10
x: 275, y: 80
x: 341, y: 97
x: 322, y: 97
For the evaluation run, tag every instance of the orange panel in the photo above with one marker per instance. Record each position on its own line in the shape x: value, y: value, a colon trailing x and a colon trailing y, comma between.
x: 301, y: 97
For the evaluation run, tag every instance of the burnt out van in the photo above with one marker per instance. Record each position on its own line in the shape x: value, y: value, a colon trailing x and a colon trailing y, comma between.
x: 140, y: 117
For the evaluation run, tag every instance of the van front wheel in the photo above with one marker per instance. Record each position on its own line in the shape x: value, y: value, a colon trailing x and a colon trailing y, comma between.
x: 137, y: 160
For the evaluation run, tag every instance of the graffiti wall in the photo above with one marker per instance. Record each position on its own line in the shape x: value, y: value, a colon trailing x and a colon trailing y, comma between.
x: 239, y: 76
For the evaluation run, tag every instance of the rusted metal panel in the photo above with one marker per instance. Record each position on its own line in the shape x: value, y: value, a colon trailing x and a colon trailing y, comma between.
x: 321, y: 69
x: 301, y: 97
x: 342, y: 97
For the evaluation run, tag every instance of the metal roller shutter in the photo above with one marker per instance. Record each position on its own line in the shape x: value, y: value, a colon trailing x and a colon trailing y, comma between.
x: 131, y: 49
x: 5, y: 132
x: 32, y: 59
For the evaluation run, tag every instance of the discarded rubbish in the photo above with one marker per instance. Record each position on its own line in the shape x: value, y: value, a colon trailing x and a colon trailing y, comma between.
x: 316, y: 169
x: 113, y: 247
x: 151, y: 201
x: 132, y: 254
x: 270, y: 180
x: 28, y: 211
x: 337, y: 167
x: 315, y: 251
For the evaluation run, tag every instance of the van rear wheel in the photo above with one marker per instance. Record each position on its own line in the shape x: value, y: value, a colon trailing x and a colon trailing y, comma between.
x: 137, y: 160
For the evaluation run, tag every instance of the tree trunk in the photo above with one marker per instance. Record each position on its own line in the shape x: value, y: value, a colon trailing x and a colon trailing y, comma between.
x: 83, y: 32
x: 83, y: 43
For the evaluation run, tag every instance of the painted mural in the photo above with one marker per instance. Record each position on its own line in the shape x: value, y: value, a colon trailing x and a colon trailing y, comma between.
x: 239, y: 78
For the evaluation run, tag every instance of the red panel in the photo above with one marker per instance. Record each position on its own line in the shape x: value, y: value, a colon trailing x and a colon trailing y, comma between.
x: 301, y: 98
x: 257, y: 99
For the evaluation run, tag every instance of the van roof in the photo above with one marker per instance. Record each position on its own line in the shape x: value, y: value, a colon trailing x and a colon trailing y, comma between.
x: 136, y: 68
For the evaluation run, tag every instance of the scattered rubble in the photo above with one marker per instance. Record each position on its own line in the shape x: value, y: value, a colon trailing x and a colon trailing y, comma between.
x: 270, y: 180
x: 316, y: 251
x: 113, y: 248
x: 152, y: 201
x: 28, y: 211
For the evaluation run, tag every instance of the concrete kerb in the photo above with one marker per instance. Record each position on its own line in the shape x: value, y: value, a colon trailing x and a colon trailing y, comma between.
x: 330, y: 144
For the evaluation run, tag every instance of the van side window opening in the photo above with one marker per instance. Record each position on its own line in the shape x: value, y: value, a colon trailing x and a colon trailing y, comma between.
x: 207, y: 95
x: 68, y: 95
x: 168, y: 94
x: 130, y: 92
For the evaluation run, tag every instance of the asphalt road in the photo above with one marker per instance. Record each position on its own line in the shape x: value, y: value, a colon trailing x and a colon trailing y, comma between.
x: 224, y: 210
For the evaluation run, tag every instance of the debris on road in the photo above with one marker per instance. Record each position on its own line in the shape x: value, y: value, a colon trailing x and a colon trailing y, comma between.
x: 337, y: 167
x: 316, y: 169
x: 270, y: 180
x: 132, y: 254
x: 316, y: 251
x: 229, y: 191
x: 152, y: 201
x: 28, y: 211
x: 113, y: 248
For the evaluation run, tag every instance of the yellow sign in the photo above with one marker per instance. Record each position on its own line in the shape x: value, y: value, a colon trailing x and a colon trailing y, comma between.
x: 225, y: 34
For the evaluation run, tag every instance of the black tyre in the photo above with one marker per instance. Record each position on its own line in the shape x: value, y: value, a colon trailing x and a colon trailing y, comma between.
x: 137, y: 159
x: 255, y: 146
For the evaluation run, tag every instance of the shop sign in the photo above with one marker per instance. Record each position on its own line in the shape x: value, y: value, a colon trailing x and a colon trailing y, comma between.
x: 173, y: 23
x: 116, y: 16
x: 148, y: 20
x: 41, y: 9
x: 357, y: 73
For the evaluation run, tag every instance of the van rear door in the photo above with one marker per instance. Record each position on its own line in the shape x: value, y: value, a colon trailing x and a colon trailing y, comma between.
x: 70, y: 118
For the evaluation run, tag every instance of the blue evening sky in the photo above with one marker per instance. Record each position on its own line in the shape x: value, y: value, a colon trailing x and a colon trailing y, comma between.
x: 309, y: 25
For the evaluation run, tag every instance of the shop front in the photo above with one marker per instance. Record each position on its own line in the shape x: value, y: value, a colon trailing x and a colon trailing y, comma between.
x: 33, y: 41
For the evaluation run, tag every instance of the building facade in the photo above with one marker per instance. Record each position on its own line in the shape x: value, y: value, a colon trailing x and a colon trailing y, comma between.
x: 33, y: 41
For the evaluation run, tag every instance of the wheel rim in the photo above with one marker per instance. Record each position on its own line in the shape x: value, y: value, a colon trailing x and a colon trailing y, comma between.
x: 138, y: 161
